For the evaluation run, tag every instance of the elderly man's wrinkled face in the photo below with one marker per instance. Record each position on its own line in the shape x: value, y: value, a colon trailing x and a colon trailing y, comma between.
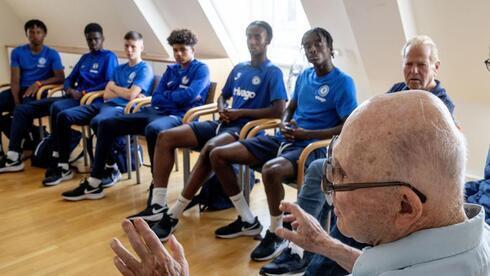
x: 418, y: 70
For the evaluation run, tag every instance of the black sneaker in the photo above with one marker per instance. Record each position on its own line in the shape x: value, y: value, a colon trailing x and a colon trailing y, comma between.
x: 112, y: 176
x: 239, y: 228
x: 269, y: 247
x: 55, y: 176
x: 287, y: 263
x: 152, y: 213
x: 165, y: 227
x: 7, y: 165
x: 84, y: 191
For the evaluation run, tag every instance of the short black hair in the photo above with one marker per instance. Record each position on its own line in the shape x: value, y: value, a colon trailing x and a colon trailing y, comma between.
x: 321, y: 32
x: 35, y: 23
x: 182, y: 36
x: 132, y: 35
x: 264, y: 25
x: 93, y: 28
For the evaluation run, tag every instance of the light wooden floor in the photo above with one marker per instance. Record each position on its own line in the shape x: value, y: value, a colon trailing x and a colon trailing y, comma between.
x: 40, y: 234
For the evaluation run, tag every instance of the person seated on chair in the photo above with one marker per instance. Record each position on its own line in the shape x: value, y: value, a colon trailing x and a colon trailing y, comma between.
x: 32, y: 66
x: 128, y: 81
x: 420, y: 66
x: 397, y: 186
x: 323, y: 98
x: 257, y: 90
x: 183, y: 85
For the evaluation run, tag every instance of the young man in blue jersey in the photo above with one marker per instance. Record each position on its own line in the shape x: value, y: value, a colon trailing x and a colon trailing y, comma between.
x: 91, y: 73
x: 258, y: 91
x: 32, y: 66
x: 323, y: 98
x: 183, y: 85
x: 420, y: 62
x: 127, y: 82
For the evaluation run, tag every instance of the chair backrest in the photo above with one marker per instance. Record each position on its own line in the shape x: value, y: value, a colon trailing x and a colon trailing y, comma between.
x: 211, y: 93
x: 156, y: 81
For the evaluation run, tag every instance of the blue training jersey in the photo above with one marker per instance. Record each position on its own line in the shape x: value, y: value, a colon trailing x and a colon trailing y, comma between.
x: 254, y: 87
x: 35, y: 67
x: 126, y: 76
x: 322, y: 101
x: 182, y: 88
x: 438, y: 91
x: 92, y: 72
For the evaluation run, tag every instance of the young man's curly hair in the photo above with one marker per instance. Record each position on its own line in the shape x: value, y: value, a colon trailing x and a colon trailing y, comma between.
x: 182, y: 36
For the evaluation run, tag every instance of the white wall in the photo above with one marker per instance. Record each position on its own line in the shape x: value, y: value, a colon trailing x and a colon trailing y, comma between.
x: 11, y: 32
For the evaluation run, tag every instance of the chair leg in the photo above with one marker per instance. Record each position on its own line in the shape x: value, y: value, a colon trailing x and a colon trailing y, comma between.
x: 128, y: 155
x: 246, y: 183
x: 84, y: 143
x: 41, y: 130
x: 137, y: 158
x: 176, y: 158
x: 186, y: 165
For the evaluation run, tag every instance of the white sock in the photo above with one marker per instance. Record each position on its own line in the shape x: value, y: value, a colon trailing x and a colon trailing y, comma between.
x: 276, y: 223
x: 94, y: 182
x: 13, y: 155
x: 64, y: 166
x: 296, y: 249
x: 159, y: 196
x: 179, y: 206
x: 56, y: 154
x: 114, y: 166
x: 241, y: 206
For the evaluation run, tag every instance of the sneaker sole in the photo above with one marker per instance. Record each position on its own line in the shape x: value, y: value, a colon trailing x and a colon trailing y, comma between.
x: 151, y: 218
x: 171, y: 232
x: 110, y: 184
x: 86, y: 196
x: 17, y: 168
x: 58, y: 181
x: 274, y: 254
x: 248, y: 233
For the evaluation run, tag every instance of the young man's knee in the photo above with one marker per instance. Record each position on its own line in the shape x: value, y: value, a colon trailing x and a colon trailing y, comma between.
x: 165, y: 139
x: 217, y: 157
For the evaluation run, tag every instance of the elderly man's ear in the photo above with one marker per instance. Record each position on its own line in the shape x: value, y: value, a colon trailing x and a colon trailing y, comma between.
x: 410, y: 209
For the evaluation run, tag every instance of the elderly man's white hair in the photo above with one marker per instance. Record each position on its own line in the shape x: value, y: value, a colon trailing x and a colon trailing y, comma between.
x: 423, y: 40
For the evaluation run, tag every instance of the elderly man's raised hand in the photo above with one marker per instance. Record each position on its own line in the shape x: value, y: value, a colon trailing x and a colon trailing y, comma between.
x: 307, y: 233
x: 154, y: 257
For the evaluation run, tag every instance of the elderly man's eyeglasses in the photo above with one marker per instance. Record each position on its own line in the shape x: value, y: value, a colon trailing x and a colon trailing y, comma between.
x: 487, y: 63
x: 329, y: 187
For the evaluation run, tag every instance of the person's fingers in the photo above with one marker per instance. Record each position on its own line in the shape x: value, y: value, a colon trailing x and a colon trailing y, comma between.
x: 177, y: 250
x: 125, y: 271
x: 150, y: 238
x: 287, y: 234
x: 289, y: 218
x: 291, y: 208
x: 135, y: 239
x: 295, y: 225
x: 127, y: 258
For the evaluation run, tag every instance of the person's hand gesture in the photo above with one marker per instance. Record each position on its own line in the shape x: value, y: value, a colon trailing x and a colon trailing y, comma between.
x: 154, y: 257
x: 307, y: 234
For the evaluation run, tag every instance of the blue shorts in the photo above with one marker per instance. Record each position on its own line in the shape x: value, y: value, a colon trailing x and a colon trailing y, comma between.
x: 206, y: 130
x: 267, y: 147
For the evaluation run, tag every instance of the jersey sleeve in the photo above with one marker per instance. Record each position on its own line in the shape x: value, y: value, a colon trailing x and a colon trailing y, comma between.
x: 346, y: 101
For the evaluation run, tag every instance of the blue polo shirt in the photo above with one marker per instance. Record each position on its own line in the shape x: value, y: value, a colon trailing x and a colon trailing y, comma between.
x: 92, y: 72
x: 35, y: 67
x: 254, y: 87
x: 126, y: 76
x: 322, y: 101
x: 438, y: 91
x: 182, y: 88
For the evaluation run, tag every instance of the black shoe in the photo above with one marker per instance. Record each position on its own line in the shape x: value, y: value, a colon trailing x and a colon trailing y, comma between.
x: 7, y: 165
x: 152, y: 213
x: 165, y: 227
x: 287, y: 263
x: 269, y: 247
x: 239, y: 228
x: 84, y: 191
x: 55, y: 176
x: 111, y: 177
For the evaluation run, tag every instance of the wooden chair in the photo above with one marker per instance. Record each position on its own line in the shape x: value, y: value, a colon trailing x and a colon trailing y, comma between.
x: 251, y: 129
